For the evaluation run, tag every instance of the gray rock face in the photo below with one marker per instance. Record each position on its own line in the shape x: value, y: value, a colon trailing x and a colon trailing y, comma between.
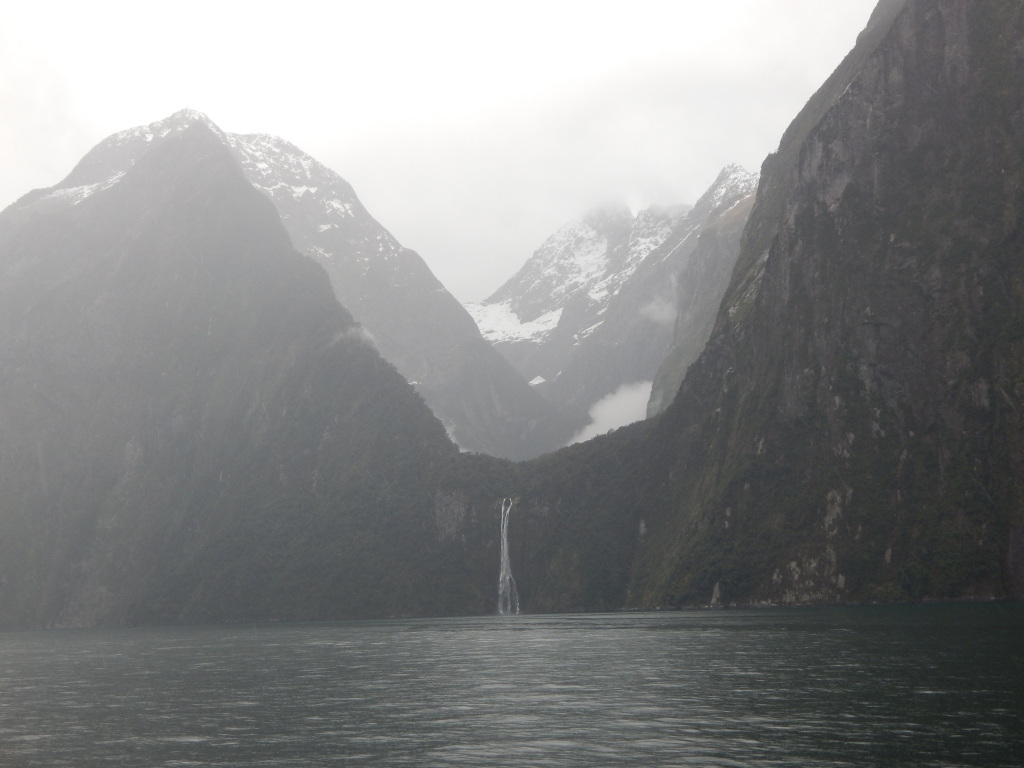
x: 546, y: 311
x: 700, y: 286
x: 191, y: 427
x: 853, y: 430
x: 412, y: 319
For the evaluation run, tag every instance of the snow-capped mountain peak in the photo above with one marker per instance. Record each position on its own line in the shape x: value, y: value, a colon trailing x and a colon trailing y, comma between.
x: 595, y: 307
x: 294, y: 180
x: 734, y: 183
x: 571, y: 261
x: 583, y: 264
x: 106, y: 163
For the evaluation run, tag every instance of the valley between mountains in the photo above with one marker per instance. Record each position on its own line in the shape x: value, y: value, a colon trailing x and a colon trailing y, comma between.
x: 227, y: 393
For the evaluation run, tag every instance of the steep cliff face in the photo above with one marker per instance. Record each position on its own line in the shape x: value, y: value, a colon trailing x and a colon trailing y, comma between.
x: 597, y: 306
x: 699, y: 288
x: 643, y: 317
x: 545, y: 313
x: 853, y: 430
x: 414, y: 321
x: 191, y: 427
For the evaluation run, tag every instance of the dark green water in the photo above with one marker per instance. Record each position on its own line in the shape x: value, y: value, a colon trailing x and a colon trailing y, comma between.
x: 881, y: 686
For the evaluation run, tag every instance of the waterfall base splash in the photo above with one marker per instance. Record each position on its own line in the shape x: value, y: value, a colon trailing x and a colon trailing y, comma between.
x: 508, y: 597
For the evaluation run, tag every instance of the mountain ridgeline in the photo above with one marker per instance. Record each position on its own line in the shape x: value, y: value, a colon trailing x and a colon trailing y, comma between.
x: 194, y: 429
x: 602, y: 302
x: 853, y: 429
x: 414, y: 322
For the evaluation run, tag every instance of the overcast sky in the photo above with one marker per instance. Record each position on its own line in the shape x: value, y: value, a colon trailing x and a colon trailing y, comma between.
x: 470, y: 130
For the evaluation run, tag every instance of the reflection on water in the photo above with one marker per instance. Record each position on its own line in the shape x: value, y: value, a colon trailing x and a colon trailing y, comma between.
x: 933, y: 685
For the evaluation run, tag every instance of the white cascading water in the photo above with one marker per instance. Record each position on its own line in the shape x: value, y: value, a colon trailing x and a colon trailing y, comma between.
x: 508, y: 597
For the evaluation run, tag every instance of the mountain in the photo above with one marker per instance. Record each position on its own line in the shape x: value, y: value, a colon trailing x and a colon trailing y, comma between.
x: 191, y: 427
x: 597, y: 306
x: 412, y: 319
x: 559, y: 295
x: 700, y: 285
x: 866, y: 365
x: 852, y: 431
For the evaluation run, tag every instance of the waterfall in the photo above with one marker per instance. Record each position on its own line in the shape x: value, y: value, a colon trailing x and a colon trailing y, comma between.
x: 508, y: 597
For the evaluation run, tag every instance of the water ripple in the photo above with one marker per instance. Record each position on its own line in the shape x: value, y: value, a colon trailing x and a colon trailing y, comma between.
x: 823, y: 687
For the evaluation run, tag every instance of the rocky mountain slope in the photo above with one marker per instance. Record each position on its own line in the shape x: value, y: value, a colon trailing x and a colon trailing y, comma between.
x: 700, y: 286
x: 412, y: 319
x: 191, y: 427
x: 598, y: 304
x: 853, y: 429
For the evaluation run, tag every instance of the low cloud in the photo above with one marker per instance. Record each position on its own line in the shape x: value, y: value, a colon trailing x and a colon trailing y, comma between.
x: 623, y: 406
x: 467, y: 151
x: 356, y: 333
x: 661, y: 312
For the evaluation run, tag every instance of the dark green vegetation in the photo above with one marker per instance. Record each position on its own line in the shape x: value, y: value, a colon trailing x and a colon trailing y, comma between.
x: 853, y: 431
x: 192, y: 429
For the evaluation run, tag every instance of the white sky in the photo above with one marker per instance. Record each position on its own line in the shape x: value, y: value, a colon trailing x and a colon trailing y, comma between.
x: 470, y: 130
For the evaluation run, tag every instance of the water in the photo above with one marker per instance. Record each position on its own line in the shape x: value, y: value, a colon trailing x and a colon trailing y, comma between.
x: 508, y: 596
x: 930, y: 686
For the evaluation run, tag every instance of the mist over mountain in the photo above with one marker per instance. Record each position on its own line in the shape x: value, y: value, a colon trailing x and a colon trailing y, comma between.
x: 592, y: 314
x: 852, y: 430
x: 194, y: 429
x: 412, y: 319
x: 700, y: 284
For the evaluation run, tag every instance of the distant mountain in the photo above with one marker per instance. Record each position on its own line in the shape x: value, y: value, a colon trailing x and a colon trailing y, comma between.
x: 853, y: 431
x: 413, y: 320
x: 596, y: 307
x: 700, y: 285
x: 191, y: 427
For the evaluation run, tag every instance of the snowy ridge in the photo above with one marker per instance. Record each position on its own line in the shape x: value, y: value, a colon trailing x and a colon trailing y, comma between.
x: 162, y: 128
x: 106, y: 163
x: 595, y: 308
x: 77, y: 194
x: 289, y: 176
x: 587, y: 260
x: 278, y: 169
x: 573, y: 260
x: 733, y: 184
x: 275, y: 167
x: 651, y: 228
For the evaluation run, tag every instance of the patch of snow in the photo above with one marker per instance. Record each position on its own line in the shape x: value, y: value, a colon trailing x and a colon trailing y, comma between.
x: 498, y: 322
x: 80, y: 193
x: 338, y: 206
x: 316, y: 250
x: 587, y: 331
x: 733, y: 180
